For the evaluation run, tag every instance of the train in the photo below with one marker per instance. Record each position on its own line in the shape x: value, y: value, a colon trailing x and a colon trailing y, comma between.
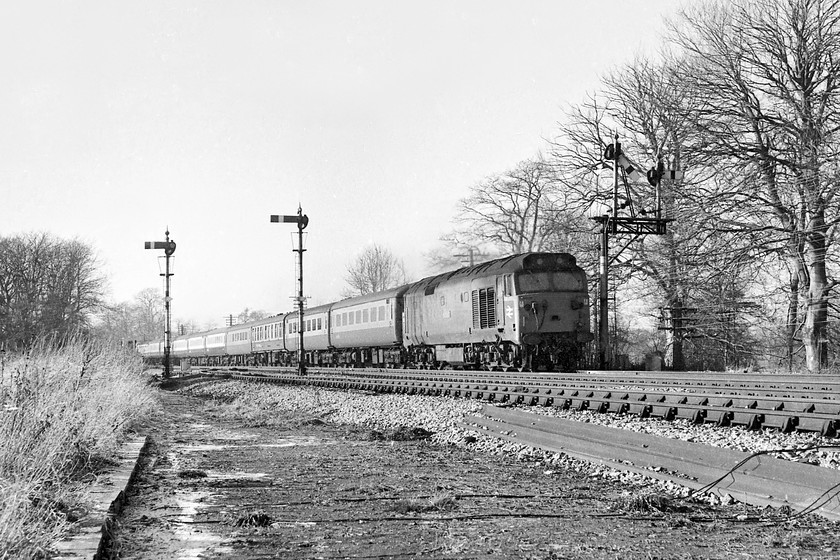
x: 526, y: 312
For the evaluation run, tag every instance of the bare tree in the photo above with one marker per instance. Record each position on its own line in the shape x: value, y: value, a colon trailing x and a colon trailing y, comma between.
x: 768, y: 70
x: 137, y: 321
x: 247, y: 315
x: 149, y: 314
x: 515, y: 212
x: 48, y: 287
x: 374, y: 270
x: 646, y: 102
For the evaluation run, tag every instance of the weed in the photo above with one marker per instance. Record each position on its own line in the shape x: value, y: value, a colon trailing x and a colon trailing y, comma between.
x: 64, y: 410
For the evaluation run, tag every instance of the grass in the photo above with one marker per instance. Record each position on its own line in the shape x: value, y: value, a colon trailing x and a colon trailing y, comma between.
x: 64, y: 410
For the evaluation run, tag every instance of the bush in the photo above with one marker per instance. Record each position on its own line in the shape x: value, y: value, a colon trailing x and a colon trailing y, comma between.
x: 64, y: 409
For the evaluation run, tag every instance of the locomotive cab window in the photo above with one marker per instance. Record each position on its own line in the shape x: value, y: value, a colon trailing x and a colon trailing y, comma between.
x: 549, y: 282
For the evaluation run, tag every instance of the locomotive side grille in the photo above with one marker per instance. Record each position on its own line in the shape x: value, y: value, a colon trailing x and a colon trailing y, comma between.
x: 491, y: 307
x: 484, y: 308
x: 476, y: 310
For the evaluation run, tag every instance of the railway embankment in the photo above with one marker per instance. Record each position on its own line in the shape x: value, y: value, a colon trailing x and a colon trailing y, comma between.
x: 243, y: 470
x: 66, y: 414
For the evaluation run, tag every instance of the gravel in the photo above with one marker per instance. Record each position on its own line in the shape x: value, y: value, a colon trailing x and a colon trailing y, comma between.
x: 441, y: 415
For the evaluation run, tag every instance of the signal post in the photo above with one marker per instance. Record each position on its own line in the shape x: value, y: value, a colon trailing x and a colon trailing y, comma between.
x: 302, y: 221
x: 168, y: 247
x: 634, y: 225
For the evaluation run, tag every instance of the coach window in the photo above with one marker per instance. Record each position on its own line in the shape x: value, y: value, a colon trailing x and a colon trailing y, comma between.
x: 319, y: 324
x: 358, y: 316
x: 381, y: 312
x: 365, y: 316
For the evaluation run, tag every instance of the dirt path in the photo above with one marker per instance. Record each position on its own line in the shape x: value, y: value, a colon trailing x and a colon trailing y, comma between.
x: 213, y: 488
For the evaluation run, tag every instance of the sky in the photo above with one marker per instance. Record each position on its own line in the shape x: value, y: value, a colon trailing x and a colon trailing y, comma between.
x: 120, y: 119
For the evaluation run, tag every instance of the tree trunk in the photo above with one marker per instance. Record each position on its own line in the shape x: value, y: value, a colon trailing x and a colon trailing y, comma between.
x: 793, y: 311
x: 678, y: 359
x: 816, y: 313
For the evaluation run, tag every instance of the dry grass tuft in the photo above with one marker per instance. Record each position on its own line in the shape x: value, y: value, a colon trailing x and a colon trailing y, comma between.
x: 256, y: 519
x: 438, y: 502
x: 64, y: 410
x: 648, y: 502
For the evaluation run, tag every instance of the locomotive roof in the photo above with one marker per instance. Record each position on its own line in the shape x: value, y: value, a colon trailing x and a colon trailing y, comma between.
x: 524, y: 262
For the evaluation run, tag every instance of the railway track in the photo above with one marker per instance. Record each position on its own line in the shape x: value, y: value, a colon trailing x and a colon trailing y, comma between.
x: 786, y: 403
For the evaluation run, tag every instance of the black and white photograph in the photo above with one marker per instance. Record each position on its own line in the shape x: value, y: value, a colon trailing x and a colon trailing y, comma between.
x: 383, y: 279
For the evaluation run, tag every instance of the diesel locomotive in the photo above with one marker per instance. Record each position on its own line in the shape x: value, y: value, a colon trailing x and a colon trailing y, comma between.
x: 527, y: 312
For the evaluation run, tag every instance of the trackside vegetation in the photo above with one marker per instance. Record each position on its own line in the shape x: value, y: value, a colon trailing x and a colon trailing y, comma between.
x: 64, y: 411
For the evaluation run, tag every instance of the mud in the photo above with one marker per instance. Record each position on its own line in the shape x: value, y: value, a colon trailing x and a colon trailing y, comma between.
x: 213, y: 487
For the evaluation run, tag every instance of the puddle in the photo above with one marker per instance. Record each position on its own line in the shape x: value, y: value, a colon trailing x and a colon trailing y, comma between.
x: 291, y: 442
x: 195, y: 543
x: 235, y: 476
x: 287, y: 442
x: 204, y: 447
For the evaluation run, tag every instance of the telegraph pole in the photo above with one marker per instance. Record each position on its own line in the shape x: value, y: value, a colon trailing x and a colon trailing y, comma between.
x: 302, y: 221
x: 472, y: 254
x: 168, y: 247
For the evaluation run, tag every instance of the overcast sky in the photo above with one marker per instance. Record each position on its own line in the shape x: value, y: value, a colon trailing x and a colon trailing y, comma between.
x: 120, y: 118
